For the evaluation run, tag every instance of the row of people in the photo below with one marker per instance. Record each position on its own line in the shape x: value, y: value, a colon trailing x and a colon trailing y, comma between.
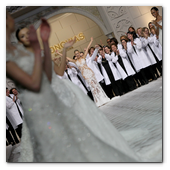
x: 126, y: 66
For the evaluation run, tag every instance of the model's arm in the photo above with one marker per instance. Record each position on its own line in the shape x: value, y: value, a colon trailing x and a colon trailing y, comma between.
x: 59, y: 53
x: 86, y: 52
x: 70, y: 59
x: 33, y: 81
x: 45, y: 33
x: 60, y: 68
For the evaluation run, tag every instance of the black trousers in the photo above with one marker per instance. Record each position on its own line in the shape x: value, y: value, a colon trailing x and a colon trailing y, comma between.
x: 19, y: 130
x: 129, y: 83
x: 142, y: 76
x: 150, y: 72
x: 9, y: 138
x: 11, y: 129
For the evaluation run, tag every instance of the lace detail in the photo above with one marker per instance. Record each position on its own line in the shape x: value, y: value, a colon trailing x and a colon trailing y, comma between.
x: 99, y: 95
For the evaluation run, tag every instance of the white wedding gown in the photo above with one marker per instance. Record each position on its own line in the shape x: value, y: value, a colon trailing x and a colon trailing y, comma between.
x: 100, y: 97
x: 65, y: 126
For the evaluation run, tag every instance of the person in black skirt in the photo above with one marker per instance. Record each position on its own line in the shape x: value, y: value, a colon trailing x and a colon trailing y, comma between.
x: 128, y: 82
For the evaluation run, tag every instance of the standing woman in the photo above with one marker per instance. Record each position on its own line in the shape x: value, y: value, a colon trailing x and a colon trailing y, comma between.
x: 121, y: 58
x: 99, y: 95
x: 147, y: 41
x: 134, y: 47
x: 136, y: 76
x: 157, y: 22
x: 116, y: 74
x: 107, y: 73
x: 152, y: 68
x: 150, y: 25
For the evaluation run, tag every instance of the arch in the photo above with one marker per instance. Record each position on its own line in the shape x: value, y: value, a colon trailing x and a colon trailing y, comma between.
x: 78, y: 11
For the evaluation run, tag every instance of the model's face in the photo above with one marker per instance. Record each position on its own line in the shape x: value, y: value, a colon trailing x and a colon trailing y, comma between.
x: 108, y: 42
x: 124, y: 43
x: 154, y: 13
x: 139, y: 32
x: 130, y: 36
x: 77, y: 54
x: 7, y: 92
x: 101, y: 52
x: 114, y: 48
x: 107, y: 50
x: 131, y: 30
x: 14, y: 91
x: 91, y: 51
x: 10, y: 24
x: 81, y: 54
x: 24, y: 36
x: 146, y: 31
x: 150, y: 25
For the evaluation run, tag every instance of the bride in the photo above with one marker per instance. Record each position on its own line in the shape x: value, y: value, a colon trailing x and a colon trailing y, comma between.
x: 99, y: 95
x: 55, y: 130
x: 157, y: 22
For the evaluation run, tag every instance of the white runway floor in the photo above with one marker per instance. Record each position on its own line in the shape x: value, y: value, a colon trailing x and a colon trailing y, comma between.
x: 140, y: 114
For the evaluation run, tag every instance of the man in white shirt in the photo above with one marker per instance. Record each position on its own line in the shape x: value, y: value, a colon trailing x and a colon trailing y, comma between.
x: 14, y: 111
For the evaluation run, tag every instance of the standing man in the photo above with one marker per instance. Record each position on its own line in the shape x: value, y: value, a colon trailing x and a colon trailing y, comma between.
x: 14, y: 111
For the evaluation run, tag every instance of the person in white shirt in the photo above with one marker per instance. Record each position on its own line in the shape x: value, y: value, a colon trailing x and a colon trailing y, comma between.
x: 11, y: 118
x: 154, y: 46
x: 91, y: 63
x: 141, y: 61
x: 150, y: 54
x: 18, y: 105
x: 119, y: 58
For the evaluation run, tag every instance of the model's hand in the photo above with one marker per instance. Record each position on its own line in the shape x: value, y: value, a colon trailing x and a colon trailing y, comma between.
x: 45, y: 30
x: 117, y: 52
x: 97, y: 46
x: 70, y: 43
x: 33, y: 38
x: 91, y: 38
x: 14, y: 98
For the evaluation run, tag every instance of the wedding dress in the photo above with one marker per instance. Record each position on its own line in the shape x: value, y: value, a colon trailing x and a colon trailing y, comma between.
x: 160, y: 32
x: 65, y: 126
x: 99, y: 95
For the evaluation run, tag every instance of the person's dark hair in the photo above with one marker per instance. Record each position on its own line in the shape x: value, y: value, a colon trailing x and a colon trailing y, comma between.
x: 107, y: 46
x: 11, y: 90
x: 74, y: 57
x: 154, y: 8
x: 124, y: 39
x: 132, y: 28
x: 114, y: 40
x: 18, y: 30
x: 75, y: 50
x: 90, y: 49
x: 108, y: 39
x: 111, y: 46
x: 82, y: 52
x: 6, y: 88
x: 132, y: 33
x: 149, y: 24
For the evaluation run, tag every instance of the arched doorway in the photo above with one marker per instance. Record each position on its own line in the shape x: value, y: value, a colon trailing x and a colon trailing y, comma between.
x: 67, y: 25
